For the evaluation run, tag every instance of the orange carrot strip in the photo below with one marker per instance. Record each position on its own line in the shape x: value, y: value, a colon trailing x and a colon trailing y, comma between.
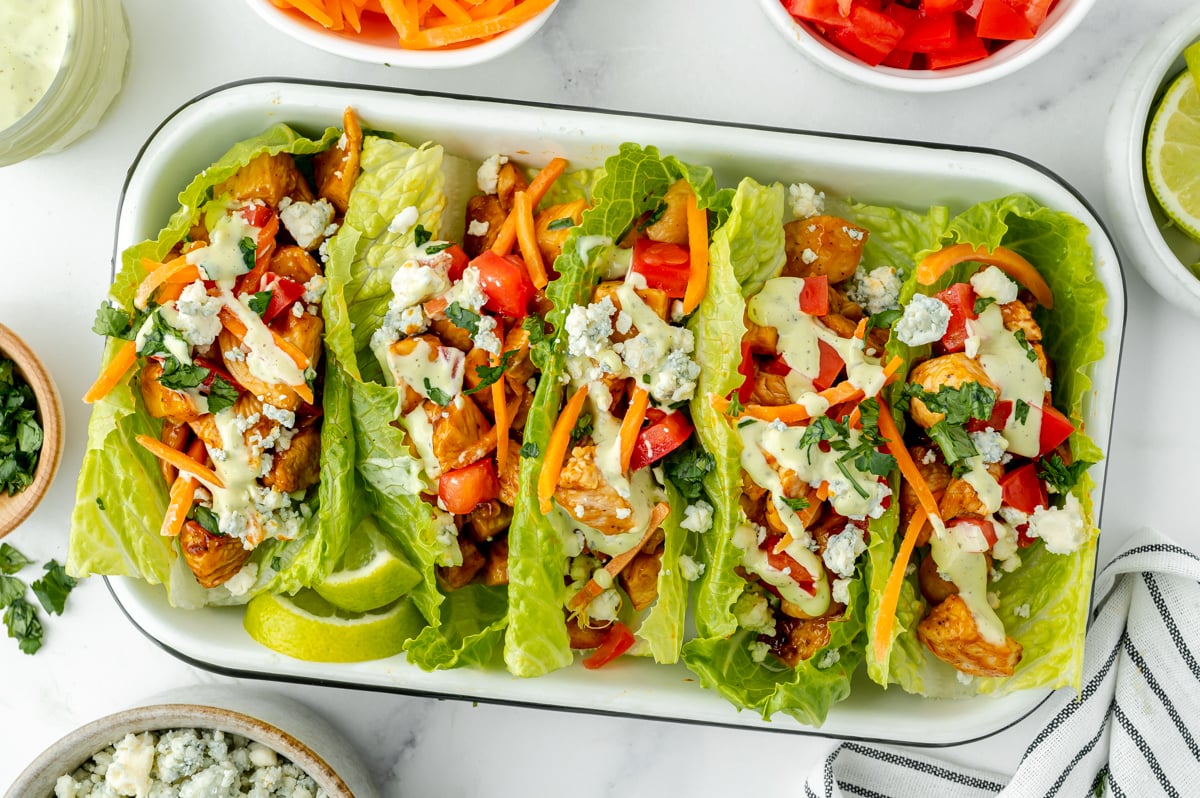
x: 500, y: 404
x: 530, y: 252
x: 617, y: 564
x: 535, y: 192
x: 476, y: 28
x: 697, y: 233
x: 159, y: 272
x: 823, y: 491
x: 452, y: 10
x: 113, y: 373
x: 795, y: 414
x: 398, y: 14
x: 183, y: 494
x: 632, y: 424
x: 313, y: 10
x: 180, y: 460
x: 490, y: 8
x: 935, y: 264
x: 908, y: 469
x: 238, y: 328
x: 352, y: 15
x: 556, y: 449
x: 882, y: 634
x: 860, y: 332
x: 172, y: 287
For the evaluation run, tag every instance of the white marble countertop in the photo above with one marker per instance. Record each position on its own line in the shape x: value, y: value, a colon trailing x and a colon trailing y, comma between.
x: 711, y: 59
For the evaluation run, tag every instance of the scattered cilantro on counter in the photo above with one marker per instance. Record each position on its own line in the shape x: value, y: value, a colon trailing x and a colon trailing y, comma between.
x: 20, y: 432
x: 20, y: 615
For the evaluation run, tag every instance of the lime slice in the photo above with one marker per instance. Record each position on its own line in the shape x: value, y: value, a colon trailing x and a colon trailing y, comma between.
x: 1173, y: 154
x: 373, y: 571
x: 307, y: 627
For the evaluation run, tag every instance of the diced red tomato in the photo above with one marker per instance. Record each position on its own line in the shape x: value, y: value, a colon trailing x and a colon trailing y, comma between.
x: 665, y: 266
x: 926, y: 33
x: 1022, y: 490
x: 831, y: 366
x: 943, y: 6
x: 777, y: 366
x: 827, y: 13
x: 1024, y: 539
x: 463, y: 489
x: 871, y: 36
x: 786, y: 563
x: 1001, y: 411
x: 960, y: 298
x: 660, y: 439
x: 506, y: 283
x: 899, y: 59
x: 967, y: 47
x: 284, y: 291
x: 1036, y: 11
x: 1003, y: 19
x: 1055, y: 429
x: 746, y: 369
x: 216, y: 369
x: 814, y: 296
x: 458, y: 262
x: 257, y: 213
x: 617, y: 641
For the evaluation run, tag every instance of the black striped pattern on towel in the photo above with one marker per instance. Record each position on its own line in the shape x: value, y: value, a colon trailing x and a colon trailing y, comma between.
x: 1132, y: 729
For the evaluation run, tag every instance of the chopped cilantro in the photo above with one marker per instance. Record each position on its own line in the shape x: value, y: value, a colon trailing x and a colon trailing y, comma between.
x: 437, y: 394
x: 735, y: 406
x: 12, y: 560
x: 530, y: 449
x: 1021, y: 411
x: 1060, y: 476
x: 221, y: 394
x: 982, y: 302
x: 114, y: 322
x: 52, y: 589
x: 464, y: 318
x: 11, y: 588
x: 276, y: 564
x: 260, y: 302
x: 421, y: 236
x: 181, y: 376
x: 795, y: 504
x: 100, y: 503
x: 155, y: 341
x: 249, y: 249
x: 954, y: 441
x: 561, y: 224
x: 583, y: 428
x: 489, y: 374
x: 20, y: 432
x: 1030, y: 352
x: 434, y: 249
x: 959, y: 405
x: 686, y: 468
x: 23, y: 625
x: 205, y: 518
x: 883, y: 320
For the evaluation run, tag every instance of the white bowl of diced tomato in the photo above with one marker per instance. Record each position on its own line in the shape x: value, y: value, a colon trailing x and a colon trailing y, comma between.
x: 925, y: 45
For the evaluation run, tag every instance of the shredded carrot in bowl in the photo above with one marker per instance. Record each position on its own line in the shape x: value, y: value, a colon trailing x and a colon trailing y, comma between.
x: 418, y: 24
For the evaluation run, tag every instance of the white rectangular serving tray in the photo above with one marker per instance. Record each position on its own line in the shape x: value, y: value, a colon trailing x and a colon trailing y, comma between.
x: 878, y: 171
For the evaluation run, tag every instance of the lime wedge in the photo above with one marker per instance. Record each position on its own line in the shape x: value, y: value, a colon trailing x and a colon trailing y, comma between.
x: 1192, y: 56
x: 373, y: 571
x: 307, y: 627
x: 1173, y: 154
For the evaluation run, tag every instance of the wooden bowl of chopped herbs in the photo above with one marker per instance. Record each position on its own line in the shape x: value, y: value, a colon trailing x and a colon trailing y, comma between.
x: 31, y: 430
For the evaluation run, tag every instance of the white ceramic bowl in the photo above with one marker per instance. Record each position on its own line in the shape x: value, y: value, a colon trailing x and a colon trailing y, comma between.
x: 1158, y: 250
x: 377, y: 44
x: 290, y: 729
x: 1063, y: 19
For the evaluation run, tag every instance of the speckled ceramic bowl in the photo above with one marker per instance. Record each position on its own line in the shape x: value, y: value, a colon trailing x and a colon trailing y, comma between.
x: 290, y: 729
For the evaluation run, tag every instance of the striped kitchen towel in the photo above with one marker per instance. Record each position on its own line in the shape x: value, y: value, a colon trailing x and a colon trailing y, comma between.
x: 1133, y: 729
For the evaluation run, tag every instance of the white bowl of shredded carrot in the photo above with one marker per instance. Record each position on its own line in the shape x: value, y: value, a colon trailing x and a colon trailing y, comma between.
x: 410, y: 33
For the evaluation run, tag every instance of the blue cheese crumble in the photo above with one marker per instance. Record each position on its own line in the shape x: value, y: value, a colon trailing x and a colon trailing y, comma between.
x: 924, y: 321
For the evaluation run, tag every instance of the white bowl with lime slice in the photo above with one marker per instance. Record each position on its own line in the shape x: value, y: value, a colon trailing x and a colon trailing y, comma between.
x: 1154, y: 138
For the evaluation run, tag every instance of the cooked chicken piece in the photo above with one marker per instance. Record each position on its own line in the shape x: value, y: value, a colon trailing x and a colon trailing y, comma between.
x: 933, y: 587
x: 452, y: 335
x: 948, y: 371
x: 509, y: 180
x: 832, y: 524
x: 336, y: 169
x: 550, y: 242
x: 841, y: 305
x: 298, y: 466
x: 461, y: 434
x: 495, y: 572
x: 770, y: 389
x: 294, y: 263
x: 520, y: 367
x: 937, y: 477
x: 950, y: 632
x: 655, y: 298
x: 403, y: 348
x: 825, y: 245
x: 844, y: 327
x: 639, y: 579
x: 483, y: 209
x: 518, y: 407
x: 586, y: 496
x: 176, y: 436
x: 269, y: 178
x: 510, y: 477
x: 456, y: 576
x: 797, y: 639
x: 488, y: 520
x: 281, y: 396
x: 247, y: 406
x: 808, y: 515
x: 961, y: 499
x: 764, y: 340
x: 162, y: 402
x: 214, y: 559
x: 752, y: 489
x: 1017, y: 316
x: 671, y: 227
x: 302, y: 332
x: 585, y: 637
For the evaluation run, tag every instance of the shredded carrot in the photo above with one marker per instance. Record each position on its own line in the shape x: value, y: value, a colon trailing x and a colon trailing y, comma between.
x: 796, y: 413
x: 617, y: 564
x: 158, y: 274
x: 935, y: 264
x: 530, y: 252
x: 490, y: 8
x: 238, y: 328
x: 180, y: 460
x: 313, y: 10
x: 534, y: 192
x: 697, y: 233
x: 351, y: 13
x: 556, y: 449
x: 113, y: 373
x: 632, y: 424
x: 908, y: 468
x: 334, y: 9
x: 172, y: 287
x: 436, y: 38
x: 500, y: 405
x: 823, y: 491
x: 860, y: 332
x: 452, y: 10
x: 882, y: 634
x: 183, y: 494
x: 398, y: 14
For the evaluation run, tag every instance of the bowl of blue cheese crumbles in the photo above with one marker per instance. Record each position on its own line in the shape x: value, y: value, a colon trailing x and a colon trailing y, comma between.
x: 200, y: 750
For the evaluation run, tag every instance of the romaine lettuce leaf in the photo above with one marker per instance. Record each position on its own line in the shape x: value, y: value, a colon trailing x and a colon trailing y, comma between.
x: 120, y: 494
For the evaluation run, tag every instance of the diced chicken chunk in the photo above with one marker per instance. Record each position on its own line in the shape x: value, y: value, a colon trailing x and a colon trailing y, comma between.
x: 461, y: 434
x: 797, y: 639
x: 269, y: 178
x: 948, y: 371
x: 164, y: 402
x: 827, y: 245
x: 473, y: 561
x: 952, y: 635
x: 298, y: 466
x: 639, y: 579
x: 214, y: 559
x: 588, y: 498
x: 550, y: 242
x: 671, y: 227
x: 336, y: 169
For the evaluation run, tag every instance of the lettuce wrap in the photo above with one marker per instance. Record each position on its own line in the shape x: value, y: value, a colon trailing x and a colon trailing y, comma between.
x: 121, y: 495
x: 543, y: 545
x: 1043, y: 603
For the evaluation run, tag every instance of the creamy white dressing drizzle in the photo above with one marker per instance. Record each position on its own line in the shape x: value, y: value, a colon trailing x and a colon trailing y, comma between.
x: 442, y: 369
x: 33, y: 41
x: 1008, y: 365
x: 969, y: 573
x: 585, y: 244
x: 420, y: 429
x: 754, y: 560
x: 236, y: 466
x: 222, y: 260
x: 264, y: 358
x: 986, y: 486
